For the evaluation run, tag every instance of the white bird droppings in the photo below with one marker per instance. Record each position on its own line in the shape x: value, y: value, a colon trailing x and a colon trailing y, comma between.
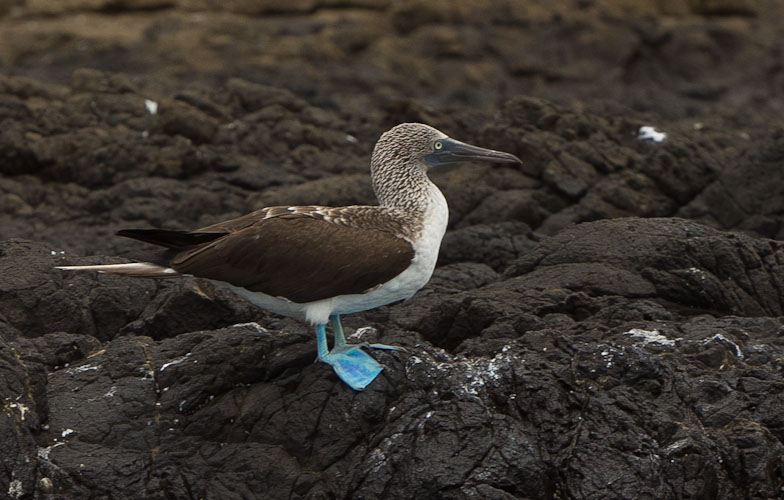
x: 81, y: 369
x: 648, y: 133
x: 152, y: 106
x: 722, y: 338
x: 22, y: 409
x: 15, y: 489
x: 650, y: 337
x: 43, y: 453
x: 252, y: 326
x: 175, y: 361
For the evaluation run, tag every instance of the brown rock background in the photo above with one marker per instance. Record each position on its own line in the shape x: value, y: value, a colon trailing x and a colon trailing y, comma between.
x: 606, y: 321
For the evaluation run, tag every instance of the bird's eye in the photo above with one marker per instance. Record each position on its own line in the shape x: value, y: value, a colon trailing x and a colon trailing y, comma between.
x: 438, y: 145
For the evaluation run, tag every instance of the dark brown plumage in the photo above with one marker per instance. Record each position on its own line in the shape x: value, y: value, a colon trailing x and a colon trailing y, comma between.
x: 281, y: 251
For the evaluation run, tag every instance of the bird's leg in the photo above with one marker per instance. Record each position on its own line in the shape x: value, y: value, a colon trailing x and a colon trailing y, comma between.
x: 337, y: 330
x: 354, y: 366
x: 321, y: 342
x: 340, y: 338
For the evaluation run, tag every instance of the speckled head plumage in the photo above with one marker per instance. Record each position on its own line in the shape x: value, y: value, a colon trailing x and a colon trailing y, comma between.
x: 407, y: 142
x: 398, y: 167
x: 405, y: 153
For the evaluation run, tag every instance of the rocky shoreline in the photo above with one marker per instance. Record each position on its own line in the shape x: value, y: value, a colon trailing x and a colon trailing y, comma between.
x: 605, y: 321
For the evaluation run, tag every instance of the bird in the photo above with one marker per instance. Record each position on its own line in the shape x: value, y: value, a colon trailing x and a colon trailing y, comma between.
x: 316, y: 263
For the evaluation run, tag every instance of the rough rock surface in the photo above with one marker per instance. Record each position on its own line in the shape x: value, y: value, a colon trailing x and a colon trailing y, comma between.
x: 606, y: 320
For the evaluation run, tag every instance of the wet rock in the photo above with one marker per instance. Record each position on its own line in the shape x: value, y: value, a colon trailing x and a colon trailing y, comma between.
x: 686, y: 262
x: 101, y: 305
x: 726, y: 8
x: 563, y: 368
x: 569, y: 175
x: 747, y: 195
x: 15, y: 148
x: 177, y: 117
x: 495, y: 245
x: 188, y: 306
x: 24, y: 409
x: 29, y: 285
x: 557, y: 351
x: 253, y: 97
x: 92, y: 80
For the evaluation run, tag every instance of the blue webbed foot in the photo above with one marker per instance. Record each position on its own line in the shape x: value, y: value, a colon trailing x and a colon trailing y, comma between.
x: 354, y: 366
x: 386, y: 347
x: 340, y: 338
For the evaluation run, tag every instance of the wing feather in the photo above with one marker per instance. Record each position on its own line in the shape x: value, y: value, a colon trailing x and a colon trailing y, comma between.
x: 298, y: 256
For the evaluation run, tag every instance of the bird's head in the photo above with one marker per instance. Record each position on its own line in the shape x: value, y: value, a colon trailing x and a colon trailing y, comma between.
x: 426, y: 146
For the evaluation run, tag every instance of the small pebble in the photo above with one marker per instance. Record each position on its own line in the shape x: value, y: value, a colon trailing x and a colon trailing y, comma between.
x: 45, y: 485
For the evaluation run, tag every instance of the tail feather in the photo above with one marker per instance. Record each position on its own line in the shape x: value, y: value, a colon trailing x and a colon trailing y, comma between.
x: 138, y: 269
x: 170, y: 238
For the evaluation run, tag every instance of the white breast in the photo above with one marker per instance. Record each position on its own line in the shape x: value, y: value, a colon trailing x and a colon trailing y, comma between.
x: 417, y: 275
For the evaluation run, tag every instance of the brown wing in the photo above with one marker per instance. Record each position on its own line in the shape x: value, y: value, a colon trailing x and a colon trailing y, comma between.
x: 178, y: 240
x: 299, y: 257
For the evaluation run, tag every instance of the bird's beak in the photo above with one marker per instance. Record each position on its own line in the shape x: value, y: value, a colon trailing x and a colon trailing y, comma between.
x: 453, y: 151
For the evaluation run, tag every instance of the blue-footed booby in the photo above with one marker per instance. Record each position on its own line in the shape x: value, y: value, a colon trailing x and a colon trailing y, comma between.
x: 316, y: 263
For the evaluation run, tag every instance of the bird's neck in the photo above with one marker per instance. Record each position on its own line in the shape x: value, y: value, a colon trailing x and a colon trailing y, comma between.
x: 406, y: 189
x: 410, y: 192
